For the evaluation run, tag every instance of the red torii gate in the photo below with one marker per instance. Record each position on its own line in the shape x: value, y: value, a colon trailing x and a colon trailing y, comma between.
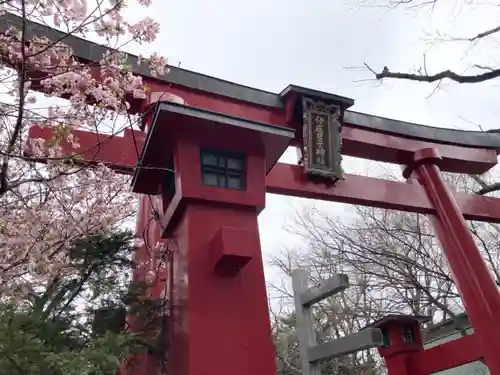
x: 220, y: 321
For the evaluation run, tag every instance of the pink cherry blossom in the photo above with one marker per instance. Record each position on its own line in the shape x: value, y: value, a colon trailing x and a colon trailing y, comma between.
x: 45, y: 206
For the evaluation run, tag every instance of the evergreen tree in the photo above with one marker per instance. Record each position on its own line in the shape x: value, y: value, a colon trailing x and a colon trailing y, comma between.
x: 75, y: 323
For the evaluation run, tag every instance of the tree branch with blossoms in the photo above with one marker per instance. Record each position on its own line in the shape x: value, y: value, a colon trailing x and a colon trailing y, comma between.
x: 45, y: 206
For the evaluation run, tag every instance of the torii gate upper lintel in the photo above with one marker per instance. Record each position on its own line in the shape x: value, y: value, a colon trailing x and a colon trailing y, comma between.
x: 223, y: 141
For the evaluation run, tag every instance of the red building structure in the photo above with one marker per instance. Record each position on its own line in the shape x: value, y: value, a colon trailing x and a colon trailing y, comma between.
x: 212, y: 155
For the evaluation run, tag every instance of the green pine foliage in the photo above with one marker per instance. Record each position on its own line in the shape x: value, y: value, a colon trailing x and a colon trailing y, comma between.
x: 57, y: 331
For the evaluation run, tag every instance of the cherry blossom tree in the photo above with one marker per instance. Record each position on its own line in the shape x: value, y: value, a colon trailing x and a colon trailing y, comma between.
x: 45, y: 206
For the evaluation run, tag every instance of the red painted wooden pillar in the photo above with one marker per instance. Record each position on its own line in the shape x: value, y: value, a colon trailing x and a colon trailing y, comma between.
x: 220, y: 323
x: 398, y: 364
x: 472, y: 277
x: 403, y: 341
x: 147, y: 269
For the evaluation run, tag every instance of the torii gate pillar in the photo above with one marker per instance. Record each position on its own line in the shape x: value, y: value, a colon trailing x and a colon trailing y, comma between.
x: 210, y: 171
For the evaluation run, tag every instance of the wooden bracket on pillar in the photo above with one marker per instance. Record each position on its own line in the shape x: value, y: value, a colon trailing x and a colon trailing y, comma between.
x: 230, y: 250
x: 312, y: 353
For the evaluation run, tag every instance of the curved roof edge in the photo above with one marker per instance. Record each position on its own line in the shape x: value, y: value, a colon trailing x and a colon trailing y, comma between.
x: 92, y: 52
x: 466, y: 138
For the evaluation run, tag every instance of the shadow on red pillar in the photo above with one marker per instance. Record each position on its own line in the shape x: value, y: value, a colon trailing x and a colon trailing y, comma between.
x: 149, y: 270
x: 472, y: 277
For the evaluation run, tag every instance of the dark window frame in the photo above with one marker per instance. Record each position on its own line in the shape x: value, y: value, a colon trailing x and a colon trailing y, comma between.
x: 409, y: 335
x: 222, y: 170
x: 386, y: 340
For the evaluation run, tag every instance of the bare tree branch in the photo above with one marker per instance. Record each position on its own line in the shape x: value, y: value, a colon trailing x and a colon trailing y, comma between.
x: 447, y: 74
x: 485, y: 188
x: 484, y: 34
x: 393, y: 260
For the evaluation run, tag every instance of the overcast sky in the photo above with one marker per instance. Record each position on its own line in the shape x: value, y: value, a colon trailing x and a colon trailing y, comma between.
x: 269, y: 44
